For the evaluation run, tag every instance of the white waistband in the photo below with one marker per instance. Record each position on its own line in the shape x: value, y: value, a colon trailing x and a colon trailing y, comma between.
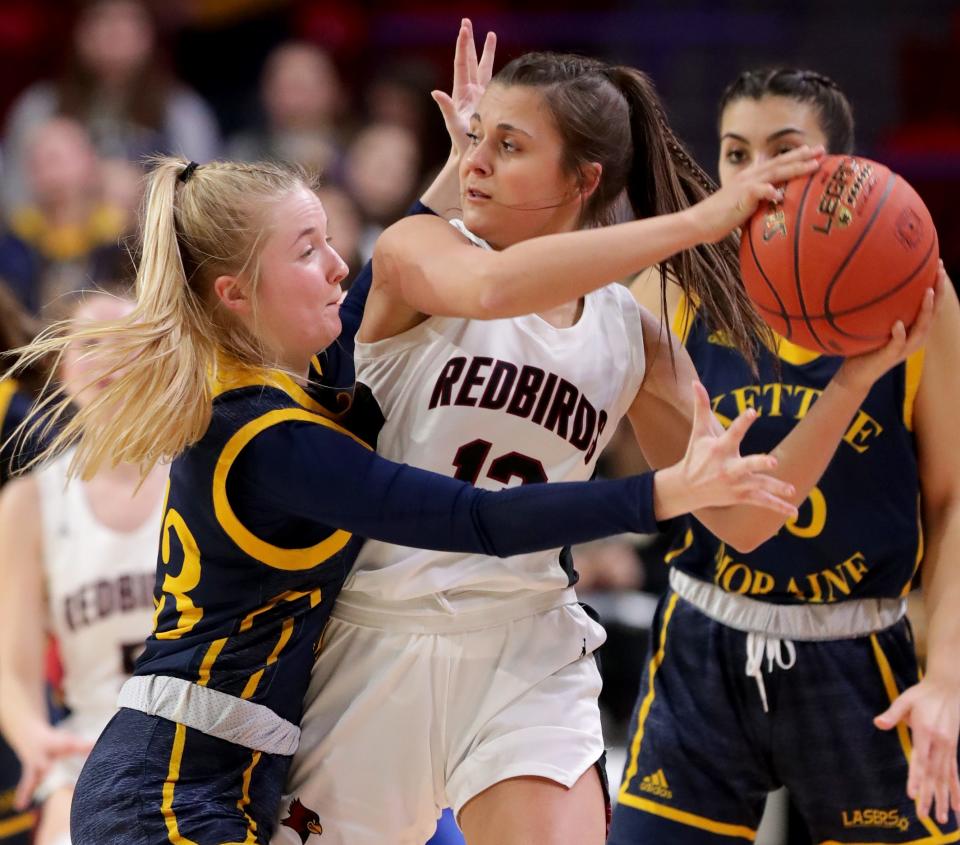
x: 212, y: 712
x: 501, y: 608
x: 803, y: 622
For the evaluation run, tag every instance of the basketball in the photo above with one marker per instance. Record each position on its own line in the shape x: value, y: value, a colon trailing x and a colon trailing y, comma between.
x: 849, y: 251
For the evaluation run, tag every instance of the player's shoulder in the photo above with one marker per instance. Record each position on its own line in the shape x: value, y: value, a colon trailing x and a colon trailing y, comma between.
x: 417, y: 233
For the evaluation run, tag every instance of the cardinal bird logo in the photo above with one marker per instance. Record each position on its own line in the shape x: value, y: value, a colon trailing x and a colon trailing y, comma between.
x: 302, y: 820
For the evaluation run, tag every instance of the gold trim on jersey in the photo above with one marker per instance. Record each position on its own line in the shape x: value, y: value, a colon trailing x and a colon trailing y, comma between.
x: 890, y: 686
x: 654, y: 807
x: 940, y: 839
x: 173, y: 775
x: 229, y: 378
x: 648, y: 700
x: 18, y: 824
x: 786, y: 350
x: 209, y: 658
x: 673, y: 554
x: 920, y: 550
x: 689, y: 819
x: 913, y: 370
x: 254, y: 680
x: 683, y: 318
x: 246, y: 540
x: 244, y: 801
x: 8, y: 389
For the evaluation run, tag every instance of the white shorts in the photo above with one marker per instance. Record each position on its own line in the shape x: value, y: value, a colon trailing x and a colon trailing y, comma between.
x: 400, y: 724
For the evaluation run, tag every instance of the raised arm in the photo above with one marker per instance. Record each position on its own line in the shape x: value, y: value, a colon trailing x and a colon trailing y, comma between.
x: 323, y: 475
x: 424, y: 267
x: 664, y: 409
x: 23, y: 636
x: 931, y: 708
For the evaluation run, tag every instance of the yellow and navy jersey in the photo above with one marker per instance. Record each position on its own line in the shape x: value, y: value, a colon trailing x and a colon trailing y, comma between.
x: 15, y: 406
x: 243, y: 589
x: 858, y: 533
x: 263, y: 520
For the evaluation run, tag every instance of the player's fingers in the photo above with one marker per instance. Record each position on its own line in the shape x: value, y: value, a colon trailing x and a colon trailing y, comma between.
x: 29, y: 778
x: 471, y: 54
x: 737, y: 430
x: 897, y: 712
x: 701, y: 426
x: 769, y: 484
x: 762, y: 463
x: 485, y: 70
x: 954, y: 784
x: 762, y: 499
x: 68, y: 743
x: 917, y: 335
x: 806, y: 157
x: 918, y: 787
x: 461, y: 71
x: 942, y: 788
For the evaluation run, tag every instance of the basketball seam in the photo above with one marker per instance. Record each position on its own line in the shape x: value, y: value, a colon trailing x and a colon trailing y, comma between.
x: 796, y: 261
x: 773, y: 290
x: 882, y: 297
x: 888, y: 189
x: 854, y: 308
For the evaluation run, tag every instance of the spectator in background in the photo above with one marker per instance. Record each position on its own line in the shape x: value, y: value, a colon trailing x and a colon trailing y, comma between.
x: 345, y: 229
x: 79, y: 561
x: 381, y: 172
x: 67, y: 226
x: 16, y: 400
x: 303, y: 104
x: 116, y: 85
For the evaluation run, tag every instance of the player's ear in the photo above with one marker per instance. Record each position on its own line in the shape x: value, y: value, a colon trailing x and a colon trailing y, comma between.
x: 590, y: 174
x: 233, y: 293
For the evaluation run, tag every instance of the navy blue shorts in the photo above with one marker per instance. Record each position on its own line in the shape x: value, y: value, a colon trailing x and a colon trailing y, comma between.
x: 149, y: 781
x: 16, y: 827
x: 704, y: 754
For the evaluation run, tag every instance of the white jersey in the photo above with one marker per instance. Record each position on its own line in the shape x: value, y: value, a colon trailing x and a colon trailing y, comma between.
x: 99, y: 592
x: 497, y: 403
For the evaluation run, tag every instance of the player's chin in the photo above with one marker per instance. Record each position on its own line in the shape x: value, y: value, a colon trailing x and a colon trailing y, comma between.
x: 328, y: 328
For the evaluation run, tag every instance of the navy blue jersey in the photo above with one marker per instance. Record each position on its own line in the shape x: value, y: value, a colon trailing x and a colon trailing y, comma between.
x: 15, y: 407
x: 263, y: 519
x: 243, y: 592
x: 858, y: 533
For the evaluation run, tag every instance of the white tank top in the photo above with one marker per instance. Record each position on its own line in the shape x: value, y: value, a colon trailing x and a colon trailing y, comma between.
x: 99, y: 593
x: 494, y: 402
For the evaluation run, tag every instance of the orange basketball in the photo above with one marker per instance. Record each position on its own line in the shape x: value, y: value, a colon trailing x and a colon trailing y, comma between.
x: 849, y: 251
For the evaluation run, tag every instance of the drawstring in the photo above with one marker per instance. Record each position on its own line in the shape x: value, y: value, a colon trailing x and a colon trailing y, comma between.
x: 760, y: 646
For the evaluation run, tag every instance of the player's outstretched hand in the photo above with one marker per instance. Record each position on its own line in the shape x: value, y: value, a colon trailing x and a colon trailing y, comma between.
x: 719, y: 214
x: 37, y: 753
x: 713, y: 473
x: 859, y: 372
x: 932, y: 713
x: 470, y: 79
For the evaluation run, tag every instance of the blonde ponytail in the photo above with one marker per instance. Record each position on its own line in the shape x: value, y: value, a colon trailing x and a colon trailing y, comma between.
x: 162, y: 357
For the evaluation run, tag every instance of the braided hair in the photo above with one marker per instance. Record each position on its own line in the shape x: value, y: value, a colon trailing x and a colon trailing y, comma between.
x: 834, y: 113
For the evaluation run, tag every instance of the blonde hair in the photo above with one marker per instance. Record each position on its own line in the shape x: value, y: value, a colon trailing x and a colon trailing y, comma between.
x: 197, y: 224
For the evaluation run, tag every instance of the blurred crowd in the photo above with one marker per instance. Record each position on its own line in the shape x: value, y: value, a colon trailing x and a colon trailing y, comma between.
x: 78, y: 133
x: 75, y: 147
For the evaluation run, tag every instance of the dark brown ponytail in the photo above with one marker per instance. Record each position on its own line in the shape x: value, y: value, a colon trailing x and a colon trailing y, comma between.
x: 613, y: 116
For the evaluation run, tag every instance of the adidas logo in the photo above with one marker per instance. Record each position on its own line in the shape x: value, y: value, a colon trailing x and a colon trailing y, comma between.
x: 656, y: 784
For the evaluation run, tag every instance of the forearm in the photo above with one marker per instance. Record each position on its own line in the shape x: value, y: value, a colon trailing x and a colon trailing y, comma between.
x: 802, y: 458
x: 553, y: 269
x: 22, y: 702
x: 328, y: 478
x: 941, y: 592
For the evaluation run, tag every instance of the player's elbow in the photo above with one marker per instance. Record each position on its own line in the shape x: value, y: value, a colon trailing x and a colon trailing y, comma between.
x: 495, y: 298
x: 746, y: 539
